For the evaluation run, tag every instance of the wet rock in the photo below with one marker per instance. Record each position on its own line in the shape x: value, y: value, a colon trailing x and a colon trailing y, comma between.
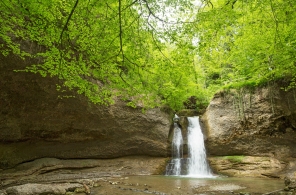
x: 290, y: 184
x: 287, y: 181
x: 85, y: 189
x: 244, y: 193
x: 37, y: 189
x: 2, y: 192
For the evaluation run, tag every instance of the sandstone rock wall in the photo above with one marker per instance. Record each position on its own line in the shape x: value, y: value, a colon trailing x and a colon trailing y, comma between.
x: 257, y: 122
x: 36, y: 123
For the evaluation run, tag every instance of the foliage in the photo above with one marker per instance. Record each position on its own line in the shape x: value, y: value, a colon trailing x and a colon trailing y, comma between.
x: 246, y: 42
x: 150, y: 52
x: 102, y: 49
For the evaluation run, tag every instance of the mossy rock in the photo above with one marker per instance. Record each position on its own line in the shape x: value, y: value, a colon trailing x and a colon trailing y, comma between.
x: 80, y: 190
x: 234, y: 159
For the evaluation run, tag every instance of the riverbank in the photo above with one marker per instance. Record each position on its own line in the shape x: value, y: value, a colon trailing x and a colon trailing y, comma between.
x: 78, y: 171
x: 124, y: 176
x: 140, y: 185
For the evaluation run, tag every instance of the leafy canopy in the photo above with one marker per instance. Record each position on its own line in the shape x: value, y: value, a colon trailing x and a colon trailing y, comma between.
x: 151, y: 52
x: 102, y: 49
x: 246, y: 42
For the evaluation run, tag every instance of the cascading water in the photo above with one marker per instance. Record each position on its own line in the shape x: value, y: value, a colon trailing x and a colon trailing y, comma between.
x: 196, y: 164
x: 197, y: 159
x: 174, y: 167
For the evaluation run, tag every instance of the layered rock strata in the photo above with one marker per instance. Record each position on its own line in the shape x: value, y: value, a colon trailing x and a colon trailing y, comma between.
x: 259, y: 122
x: 37, y: 121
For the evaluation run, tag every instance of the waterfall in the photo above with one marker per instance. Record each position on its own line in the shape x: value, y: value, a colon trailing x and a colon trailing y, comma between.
x: 196, y: 164
x: 174, y: 167
x: 197, y: 159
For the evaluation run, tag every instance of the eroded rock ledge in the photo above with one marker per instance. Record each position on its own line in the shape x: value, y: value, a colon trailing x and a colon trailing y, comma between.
x: 56, y: 170
x: 35, y: 122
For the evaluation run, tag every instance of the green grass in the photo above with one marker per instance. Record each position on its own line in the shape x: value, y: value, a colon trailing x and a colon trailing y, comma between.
x: 234, y: 159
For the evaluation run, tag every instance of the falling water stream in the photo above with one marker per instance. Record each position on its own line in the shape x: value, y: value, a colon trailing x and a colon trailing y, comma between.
x: 174, y: 167
x: 196, y: 164
x: 177, y: 150
x: 197, y: 158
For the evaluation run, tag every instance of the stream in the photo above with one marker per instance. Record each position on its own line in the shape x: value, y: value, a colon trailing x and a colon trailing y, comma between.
x: 175, y: 185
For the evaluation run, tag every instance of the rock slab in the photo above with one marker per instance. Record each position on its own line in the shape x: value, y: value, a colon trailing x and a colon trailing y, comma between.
x: 36, y: 189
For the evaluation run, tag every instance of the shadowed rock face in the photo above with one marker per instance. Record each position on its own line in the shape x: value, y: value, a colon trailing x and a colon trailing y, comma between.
x: 265, y: 124
x: 255, y: 123
x: 36, y: 123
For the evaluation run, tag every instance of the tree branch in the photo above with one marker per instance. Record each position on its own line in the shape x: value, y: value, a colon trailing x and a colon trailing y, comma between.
x: 275, y: 21
x: 64, y: 29
x: 68, y: 19
x: 158, y: 47
x: 232, y: 3
x: 209, y: 2
x: 120, y: 30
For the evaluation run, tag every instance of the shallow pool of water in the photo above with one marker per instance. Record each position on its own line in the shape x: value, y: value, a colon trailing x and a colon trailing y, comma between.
x: 186, y: 185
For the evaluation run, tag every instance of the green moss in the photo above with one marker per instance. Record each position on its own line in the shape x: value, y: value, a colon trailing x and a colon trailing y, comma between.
x: 234, y: 159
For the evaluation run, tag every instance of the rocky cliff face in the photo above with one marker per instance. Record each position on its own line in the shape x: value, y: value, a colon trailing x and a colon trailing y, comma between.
x: 36, y: 123
x: 259, y: 122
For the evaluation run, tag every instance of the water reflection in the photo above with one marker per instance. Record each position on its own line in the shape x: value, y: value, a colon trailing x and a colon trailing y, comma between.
x: 173, y: 184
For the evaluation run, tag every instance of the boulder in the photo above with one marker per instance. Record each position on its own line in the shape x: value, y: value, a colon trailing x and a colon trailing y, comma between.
x: 37, y: 189
x: 37, y: 121
x: 246, y: 166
